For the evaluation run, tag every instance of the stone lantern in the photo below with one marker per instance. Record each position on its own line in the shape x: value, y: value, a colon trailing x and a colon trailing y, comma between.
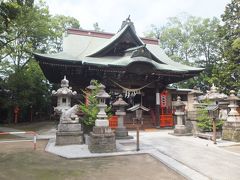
x: 69, y: 129
x: 231, y: 128
x: 214, y: 95
x: 194, y: 99
x: 180, y: 128
x: 121, y: 131
x: 91, y: 86
x: 64, y: 95
x: 102, y: 139
x: 102, y: 95
x: 233, y: 115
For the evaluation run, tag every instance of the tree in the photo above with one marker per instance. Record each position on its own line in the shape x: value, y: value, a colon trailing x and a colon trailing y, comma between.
x: 192, y: 41
x: 25, y: 33
x: 97, y: 28
x: 59, y: 24
x: 27, y: 28
x: 90, y: 109
x: 226, y: 72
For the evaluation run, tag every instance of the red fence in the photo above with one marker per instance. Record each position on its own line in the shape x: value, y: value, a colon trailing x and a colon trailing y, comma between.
x: 113, y: 122
x: 166, y: 120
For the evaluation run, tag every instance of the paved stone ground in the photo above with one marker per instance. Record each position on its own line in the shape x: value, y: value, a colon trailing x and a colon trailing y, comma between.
x: 199, y: 154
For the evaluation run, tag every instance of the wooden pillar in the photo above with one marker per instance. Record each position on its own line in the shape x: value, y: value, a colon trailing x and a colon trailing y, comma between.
x: 157, y: 106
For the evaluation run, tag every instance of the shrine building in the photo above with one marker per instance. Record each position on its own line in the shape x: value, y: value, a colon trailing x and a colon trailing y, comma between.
x: 124, y: 62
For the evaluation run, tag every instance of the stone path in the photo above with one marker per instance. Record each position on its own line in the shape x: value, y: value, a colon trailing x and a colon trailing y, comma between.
x: 199, y: 154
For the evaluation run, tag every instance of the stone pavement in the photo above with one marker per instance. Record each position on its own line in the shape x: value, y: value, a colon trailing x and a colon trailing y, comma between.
x: 192, y: 157
x: 199, y: 154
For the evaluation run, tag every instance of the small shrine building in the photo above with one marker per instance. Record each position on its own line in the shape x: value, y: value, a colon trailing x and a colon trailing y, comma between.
x: 123, y: 62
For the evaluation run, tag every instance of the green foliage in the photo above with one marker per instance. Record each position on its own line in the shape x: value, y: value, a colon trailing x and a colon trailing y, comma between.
x: 204, y: 121
x: 27, y: 27
x: 28, y: 87
x: 26, y: 32
x: 59, y: 24
x: 90, y: 110
x: 192, y: 41
x: 226, y: 72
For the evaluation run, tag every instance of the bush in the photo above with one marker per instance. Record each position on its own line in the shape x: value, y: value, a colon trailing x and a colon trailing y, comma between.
x: 90, y: 110
x: 205, y: 122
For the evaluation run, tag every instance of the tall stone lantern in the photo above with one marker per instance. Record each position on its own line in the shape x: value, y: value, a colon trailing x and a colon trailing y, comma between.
x: 231, y: 128
x: 64, y: 95
x: 102, y: 138
x: 69, y: 129
x: 121, y: 131
x: 180, y: 128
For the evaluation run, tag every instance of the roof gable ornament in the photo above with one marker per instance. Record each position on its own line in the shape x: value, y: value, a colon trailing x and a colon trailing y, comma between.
x: 128, y: 22
x: 142, y: 52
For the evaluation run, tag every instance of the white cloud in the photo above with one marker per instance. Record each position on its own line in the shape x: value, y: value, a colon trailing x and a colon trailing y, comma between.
x: 110, y: 13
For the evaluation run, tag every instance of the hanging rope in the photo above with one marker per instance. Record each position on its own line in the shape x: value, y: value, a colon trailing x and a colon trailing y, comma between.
x: 131, y: 92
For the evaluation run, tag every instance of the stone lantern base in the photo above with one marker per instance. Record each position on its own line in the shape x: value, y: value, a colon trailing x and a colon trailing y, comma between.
x: 180, y: 130
x: 68, y: 134
x: 102, y: 140
x: 231, y: 131
x: 122, y: 133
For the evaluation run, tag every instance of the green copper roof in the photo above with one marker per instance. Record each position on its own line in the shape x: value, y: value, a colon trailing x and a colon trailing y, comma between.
x: 89, y: 50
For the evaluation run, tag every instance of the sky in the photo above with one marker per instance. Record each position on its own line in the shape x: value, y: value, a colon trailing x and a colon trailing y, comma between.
x: 110, y: 13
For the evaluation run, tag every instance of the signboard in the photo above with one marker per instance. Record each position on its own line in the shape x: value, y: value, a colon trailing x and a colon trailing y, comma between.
x: 163, y: 99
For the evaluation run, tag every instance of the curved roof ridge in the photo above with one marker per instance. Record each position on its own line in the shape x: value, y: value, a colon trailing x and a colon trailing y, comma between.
x: 117, y: 36
x: 161, y: 55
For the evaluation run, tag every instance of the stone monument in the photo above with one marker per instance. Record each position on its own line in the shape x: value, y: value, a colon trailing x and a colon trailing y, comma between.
x: 121, y: 131
x: 231, y: 128
x: 102, y: 138
x: 180, y: 129
x: 69, y: 129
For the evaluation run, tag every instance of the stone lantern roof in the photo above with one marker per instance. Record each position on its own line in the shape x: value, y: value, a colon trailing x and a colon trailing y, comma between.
x: 213, y: 94
x: 91, y: 86
x: 120, y: 101
x: 232, y: 96
x: 179, y: 103
x: 102, y: 93
x: 65, y: 89
x: 196, y: 91
x: 64, y: 82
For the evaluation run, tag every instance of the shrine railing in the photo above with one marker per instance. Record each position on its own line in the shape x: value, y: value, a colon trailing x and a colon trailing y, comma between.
x: 113, y: 122
x: 166, y: 120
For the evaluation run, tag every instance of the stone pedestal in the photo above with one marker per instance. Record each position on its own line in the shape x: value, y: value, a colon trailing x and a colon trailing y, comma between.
x: 180, y: 129
x: 121, y: 131
x: 231, y: 128
x: 68, y: 134
x: 231, y: 131
x: 102, y: 140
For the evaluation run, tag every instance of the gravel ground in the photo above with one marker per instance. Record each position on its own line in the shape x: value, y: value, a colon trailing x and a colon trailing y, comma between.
x: 18, y: 161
